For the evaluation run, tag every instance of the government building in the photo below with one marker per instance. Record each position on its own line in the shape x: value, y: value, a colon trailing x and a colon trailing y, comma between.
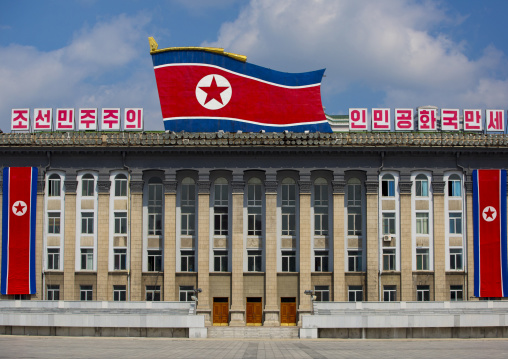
x: 246, y: 223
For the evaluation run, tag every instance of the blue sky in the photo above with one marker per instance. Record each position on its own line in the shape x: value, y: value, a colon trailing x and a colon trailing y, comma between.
x: 392, y: 53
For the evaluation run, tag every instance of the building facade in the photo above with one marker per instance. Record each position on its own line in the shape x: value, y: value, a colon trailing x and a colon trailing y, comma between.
x: 254, y: 219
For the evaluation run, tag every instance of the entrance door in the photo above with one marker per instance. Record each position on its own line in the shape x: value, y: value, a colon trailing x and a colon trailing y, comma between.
x: 220, y: 311
x: 254, y: 311
x: 287, y: 311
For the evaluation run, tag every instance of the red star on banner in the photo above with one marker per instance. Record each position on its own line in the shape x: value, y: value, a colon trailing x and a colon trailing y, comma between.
x: 19, y: 208
x: 489, y: 213
x: 213, y: 92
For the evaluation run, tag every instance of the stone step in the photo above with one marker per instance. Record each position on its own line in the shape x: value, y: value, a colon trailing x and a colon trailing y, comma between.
x: 254, y: 332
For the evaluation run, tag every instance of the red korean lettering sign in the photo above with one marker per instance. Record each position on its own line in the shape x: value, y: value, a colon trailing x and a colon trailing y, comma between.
x: 473, y: 120
x: 427, y: 119
x: 358, y: 119
x: 64, y: 119
x: 43, y: 119
x: 133, y: 119
x: 20, y: 119
x: 494, y: 120
x: 404, y: 119
x: 381, y: 119
x: 449, y: 120
x: 110, y: 120
x: 87, y: 119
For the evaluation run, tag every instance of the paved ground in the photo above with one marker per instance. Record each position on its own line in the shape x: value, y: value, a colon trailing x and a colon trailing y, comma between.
x: 71, y: 347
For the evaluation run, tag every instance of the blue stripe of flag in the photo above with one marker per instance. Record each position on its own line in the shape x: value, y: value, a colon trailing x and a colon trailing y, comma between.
x: 5, y: 228
x: 504, y: 254
x: 476, y: 232
x: 33, y: 218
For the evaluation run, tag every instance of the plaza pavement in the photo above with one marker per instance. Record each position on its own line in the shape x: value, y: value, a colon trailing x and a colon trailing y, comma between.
x: 124, y: 348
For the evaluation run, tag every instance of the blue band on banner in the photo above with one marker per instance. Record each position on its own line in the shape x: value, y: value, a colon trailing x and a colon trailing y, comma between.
x: 504, y: 254
x: 33, y: 218
x: 214, y: 125
x: 476, y: 235
x: 5, y: 228
x: 263, y: 73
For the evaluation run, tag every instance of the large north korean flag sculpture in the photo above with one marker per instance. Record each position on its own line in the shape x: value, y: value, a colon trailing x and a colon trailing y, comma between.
x: 207, y: 90
x: 18, y: 230
x: 489, y: 225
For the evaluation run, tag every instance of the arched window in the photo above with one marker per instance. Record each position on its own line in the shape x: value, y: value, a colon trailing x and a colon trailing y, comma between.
x: 388, y: 186
x: 221, y: 207
x: 288, y: 207
x: 54, y: 182
x: 121, y: 185
x: 254, y: 207
x: 87, y: 185
x: 454, y: 187
x: 155, y: 206
x: 188, y: 206
x: 422, y: 186
x: 320, y: 207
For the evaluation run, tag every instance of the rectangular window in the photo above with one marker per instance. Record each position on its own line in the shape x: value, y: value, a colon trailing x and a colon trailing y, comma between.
x: 154, y: 209
x: 120, y: 255
x: 388, y: 187
x: 220, y: 261
x: 254, y: 210
x: 456, y: 293
x: 87, y: 186
x: 288, y: 209
x: 87, y: 222
x: 354, y: 221
x: 119, y: 293
x: 54, y: 223
x: 54, y: 258
x: 422, y: 186
x: 54, y: 186
x: 186, y: 293
x: 53, y: 292
x: 456, y: 259
x: 154, y: 260
x: 120, y: 222
x: 187, y: 261
x: 422, y: 293
x: 322, y: 293
x: 422, y: 223
x: 422, y: 259
x: 321, y: 210
x: 389, y: 293
x: 254, y: 259
x: 153, y: 293
x: 221, y: 221
x: 86, y: 258
x: 288, y: 261
x: 355, y: 293
x: 354, y: 259
x: 354, y: 193
x: 388, y: 259
x: 388, y: 223
x: 321, y: 261
x: 454, y: 187
x: 455, y: 223
x: 86, y: 292
x: 188, y: 221
x: 221, y: 208
x: 120, y: 186
x: 188, y: 207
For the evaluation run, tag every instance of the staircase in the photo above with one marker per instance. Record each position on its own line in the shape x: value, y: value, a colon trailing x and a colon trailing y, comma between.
x: 254, y: 332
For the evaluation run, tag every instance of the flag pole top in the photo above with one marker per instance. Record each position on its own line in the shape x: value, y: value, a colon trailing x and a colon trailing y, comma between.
x: 154, y: 49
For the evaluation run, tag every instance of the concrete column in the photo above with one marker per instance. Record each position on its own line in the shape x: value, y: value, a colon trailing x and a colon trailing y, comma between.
x: 70, y: 186
x: 305, y: 246
x: 204, y: 247
x: 372, y: 186
x: 406, y: 250
x: 103, y: 188
x: 438, y: 187
x: 469, y: 250
x: 136, y: 251
x: 237, y: 296
x: 271, y: 310
x: 170, y: 293
x: 339, y: 293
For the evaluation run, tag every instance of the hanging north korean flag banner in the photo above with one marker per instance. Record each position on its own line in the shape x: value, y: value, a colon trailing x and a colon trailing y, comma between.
x: 489, y: 225
x: 18, y: 230
x: 206, y: 90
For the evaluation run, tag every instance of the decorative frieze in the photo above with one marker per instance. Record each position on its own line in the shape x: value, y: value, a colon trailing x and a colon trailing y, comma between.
x: 305, y: 187
x: 271, y: 186
x: 70, y: 186
x: 438, y: 187
x: 238, y: 186
x: 338, y: 187
x: 204, y: 187
x: 169, y: 187
x: 103, y: 186
x: 405, y: 187
x: 137, y: 187
x: 372, y: 187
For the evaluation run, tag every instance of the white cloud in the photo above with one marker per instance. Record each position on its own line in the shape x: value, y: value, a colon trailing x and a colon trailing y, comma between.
x: 85, y: 72
x: 387, y: 46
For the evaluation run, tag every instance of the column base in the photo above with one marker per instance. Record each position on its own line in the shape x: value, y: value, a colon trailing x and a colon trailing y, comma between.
x: 271, y: 318
x: 302, y: 311
x: 237, y: 318
x: 207, y: 312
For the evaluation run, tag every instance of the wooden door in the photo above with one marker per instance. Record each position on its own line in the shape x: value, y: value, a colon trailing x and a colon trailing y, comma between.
x: 287, y: 311
x: 254, y: 311
x: 220, y: 311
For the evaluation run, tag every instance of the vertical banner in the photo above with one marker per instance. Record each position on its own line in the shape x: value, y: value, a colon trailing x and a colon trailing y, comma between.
x: 489, y: 225
x: 18, y: 230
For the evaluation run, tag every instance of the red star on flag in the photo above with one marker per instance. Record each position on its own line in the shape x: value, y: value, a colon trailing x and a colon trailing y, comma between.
x: 213, y: 92
x: 489, y: 213
x: 19, y: 208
